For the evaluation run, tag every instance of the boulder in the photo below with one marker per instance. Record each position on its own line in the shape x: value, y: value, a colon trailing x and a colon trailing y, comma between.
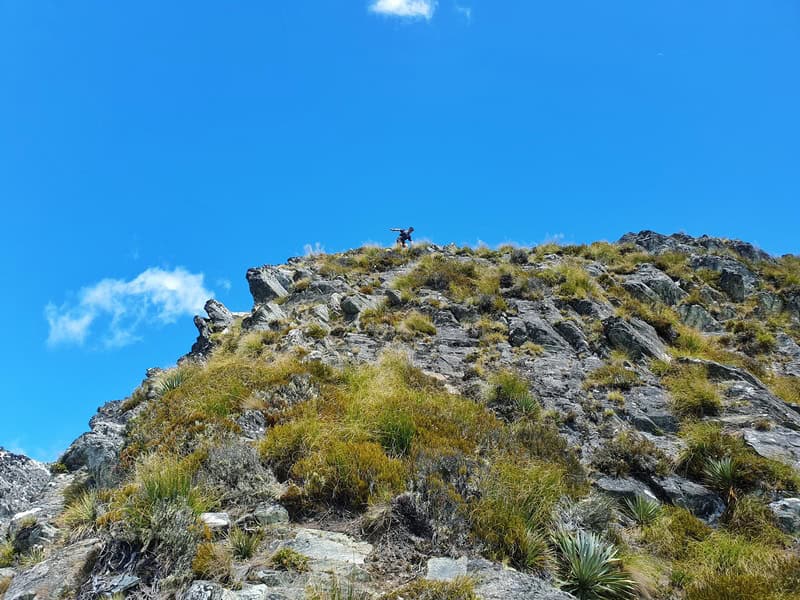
x: 733, y: 284
x: 268, y: 513
x: 779, y: 443
x: 635, y: 337
x: 58, y: 576
x: 216, y: 521
x: 353, y: 305
x: 698, y: 317
x: 267, y: 283
x: 650, y: 405
x: 494, y: 581
x: 697, y: 499
x: 654, y: 285
x: 574, y: 336
x: 787, y: 513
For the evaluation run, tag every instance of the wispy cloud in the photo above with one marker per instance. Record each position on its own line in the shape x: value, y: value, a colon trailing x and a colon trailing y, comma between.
x: 414, y: 9
x: 120, y: 308
x: 225, y: 284
x: 313, y: 250
x: 464, y: 11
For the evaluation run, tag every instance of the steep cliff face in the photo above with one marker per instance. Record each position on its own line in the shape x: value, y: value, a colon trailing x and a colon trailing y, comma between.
x: 383, y: 417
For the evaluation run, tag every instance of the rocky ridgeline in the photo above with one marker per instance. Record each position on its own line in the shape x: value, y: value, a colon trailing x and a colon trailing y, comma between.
x: 636, y: 312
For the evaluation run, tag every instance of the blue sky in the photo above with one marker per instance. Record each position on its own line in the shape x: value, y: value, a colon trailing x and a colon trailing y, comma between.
x: 150, y: 152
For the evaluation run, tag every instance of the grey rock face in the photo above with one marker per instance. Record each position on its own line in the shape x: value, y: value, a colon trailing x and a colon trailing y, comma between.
x: 267, y: 283
x: 787, y: 512
x: 270, y: 514
x: 635, y: 337
x: 353, y: 305
x: 779, y: 444
x: 649, y: 283
x: 58, y: 576
x: 264, y: 317
x: 698, y: 317
x: 623, y: 488
x: 21, y: 481
x: 733, y: 284
x: 218, y: 314
x: 98, y: 449
x: 697, y: 499
x: 650, y: 405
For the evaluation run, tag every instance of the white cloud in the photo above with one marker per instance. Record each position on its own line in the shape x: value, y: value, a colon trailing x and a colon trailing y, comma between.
x: 405, y: 8
x: 225, y: 284
x: 120, y: 307
x: 465, y: 11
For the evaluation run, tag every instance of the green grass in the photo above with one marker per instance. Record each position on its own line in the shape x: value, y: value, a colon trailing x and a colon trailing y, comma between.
x: 613, y: 375
x: 510, y: 389
x: 787, y: 388
x: 415, y: 324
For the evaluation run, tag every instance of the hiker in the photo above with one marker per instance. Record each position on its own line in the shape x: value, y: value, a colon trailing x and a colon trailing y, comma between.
x: 405, y: 236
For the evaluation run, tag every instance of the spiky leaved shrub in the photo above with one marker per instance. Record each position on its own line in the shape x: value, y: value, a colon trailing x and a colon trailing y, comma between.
x: 642, y: 509
x: 721, y: 475
x: 590, y: 568
x: 243, y: 544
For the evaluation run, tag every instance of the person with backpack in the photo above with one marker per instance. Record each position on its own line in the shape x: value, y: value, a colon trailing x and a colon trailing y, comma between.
x: 405, y: 236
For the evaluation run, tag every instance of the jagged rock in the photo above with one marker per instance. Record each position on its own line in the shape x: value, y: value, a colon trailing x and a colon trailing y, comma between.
x: 539, y: 331
x: 787, y: 513
x: 267, y: 283
x: 264, y: 317
x: 203, y: 590
x: 658, y: 243
x: 270, y: 514
x: 635, y: 337
x: 650, y: 405
x: 21, y: 481
x: 790, y: 351
x: 218, y: 314
x: 253, y: 424
x: 29, y: 529
x: 649, y: 283
x: 733, y: 284
x: 353, y: 305
x: 209, y: 590
x: 393, y: 297
x: 778, y: 443
x: 574, y: 336
x: 98, y: 450
x: 769, y: 304
x: 216, y: 521
x: 58, y: 576
x: 493, y: 581
x: 698, y: 317
x: 699, y: 500
x: 623, y: 488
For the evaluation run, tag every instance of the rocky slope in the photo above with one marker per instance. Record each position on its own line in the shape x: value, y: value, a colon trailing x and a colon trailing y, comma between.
x: 425, y: 424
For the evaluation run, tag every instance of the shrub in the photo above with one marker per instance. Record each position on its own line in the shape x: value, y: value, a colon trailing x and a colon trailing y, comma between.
x: 460, y: 588
x: 80, y: 515
x: 516, y: 506
x: 590, y: 568
x: 172, y: 380
x: 213, y: 562
x: 244, y: 544
x: 643, y: 510
x: 630, y: 453
x: 693, y: 395
x: 508, y: 388
x: 287, y: 559
x: 417, y: 323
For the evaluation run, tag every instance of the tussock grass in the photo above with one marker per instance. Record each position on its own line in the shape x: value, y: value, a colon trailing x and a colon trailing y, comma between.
x: 212, y: 562
x: 80, y: 515
x: 616, y: 374
x: 287, y: 559
x: 787, y: 388
x: 461, y: 588
x: 570, y: 281
x: 507, y: 388
x: 244, y: 544
x: 7, y: 553
x: 415, y: 324
x: 693, y: 395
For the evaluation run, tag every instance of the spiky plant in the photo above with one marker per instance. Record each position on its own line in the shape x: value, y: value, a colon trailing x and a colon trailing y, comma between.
x: 643, y: 510
x: 80, y: 516
x: 722, y: 475
x: 590, y: 568
x: 244, y: 544
x: 172, y: 381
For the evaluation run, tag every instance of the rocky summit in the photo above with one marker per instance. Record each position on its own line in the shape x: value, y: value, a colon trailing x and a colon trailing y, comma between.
x: 614, y: 420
